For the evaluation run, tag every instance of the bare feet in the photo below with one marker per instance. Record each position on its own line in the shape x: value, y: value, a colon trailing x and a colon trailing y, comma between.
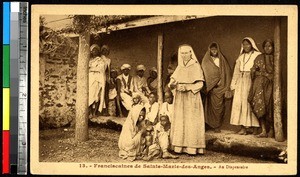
x: 217, y: 130
x: 167, y: 155
x: 255, y: 131
x: 242, y: 132
x: 262, y: 135
x: 271, y: 133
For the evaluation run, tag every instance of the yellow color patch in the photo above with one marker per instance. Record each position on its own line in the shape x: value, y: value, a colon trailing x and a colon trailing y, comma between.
x: 6, y: 108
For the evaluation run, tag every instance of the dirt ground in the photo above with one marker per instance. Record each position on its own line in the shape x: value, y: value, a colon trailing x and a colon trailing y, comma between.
x: 58, y: 145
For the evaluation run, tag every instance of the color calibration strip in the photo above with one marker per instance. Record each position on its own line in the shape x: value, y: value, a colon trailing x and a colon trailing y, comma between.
x: 6, y: 90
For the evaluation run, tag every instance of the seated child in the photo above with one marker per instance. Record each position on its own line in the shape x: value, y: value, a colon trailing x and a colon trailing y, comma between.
x: 152, y: 108
x: 149, y: 149
x: 162, y: 134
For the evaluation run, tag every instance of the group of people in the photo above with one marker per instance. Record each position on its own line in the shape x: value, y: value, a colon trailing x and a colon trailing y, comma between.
x: 178, y: 125
x: 111, y: 91
x: 251, y: 87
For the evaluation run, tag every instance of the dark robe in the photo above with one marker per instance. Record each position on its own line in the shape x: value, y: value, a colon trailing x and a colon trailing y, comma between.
x: 260, y: 95
x: 217, y: 81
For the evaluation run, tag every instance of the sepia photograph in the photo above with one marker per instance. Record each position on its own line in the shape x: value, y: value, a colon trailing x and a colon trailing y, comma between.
x: 163, y: 89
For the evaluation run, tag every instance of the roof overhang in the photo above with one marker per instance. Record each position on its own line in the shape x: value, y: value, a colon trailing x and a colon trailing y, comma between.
x: 156, y: 20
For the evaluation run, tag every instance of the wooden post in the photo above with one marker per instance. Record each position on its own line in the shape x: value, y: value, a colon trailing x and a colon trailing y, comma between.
x: 159, y: 68
x: 81, y: 124
x: 277, y: 84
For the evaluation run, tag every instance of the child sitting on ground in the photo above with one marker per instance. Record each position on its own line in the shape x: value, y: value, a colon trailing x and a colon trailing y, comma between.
x: 155, y: 141
x: 149, y: 149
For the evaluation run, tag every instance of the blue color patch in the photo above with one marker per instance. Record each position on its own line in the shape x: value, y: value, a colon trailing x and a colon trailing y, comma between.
x: 6, y: 22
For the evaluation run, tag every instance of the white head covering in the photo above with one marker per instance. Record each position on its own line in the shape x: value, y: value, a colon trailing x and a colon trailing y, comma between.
x: 252, y: 43
x: 140, y: 67
x: 125, y: 66
x: 153, y: 69
x: 94, y: 46
x: 186, y: 47
x: 189, y: 73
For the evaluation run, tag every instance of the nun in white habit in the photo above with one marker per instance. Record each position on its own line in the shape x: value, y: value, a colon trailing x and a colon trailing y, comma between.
x: 187, y: 127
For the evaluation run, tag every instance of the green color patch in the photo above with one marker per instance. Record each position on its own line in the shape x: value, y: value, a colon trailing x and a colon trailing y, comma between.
x: 6, y: 66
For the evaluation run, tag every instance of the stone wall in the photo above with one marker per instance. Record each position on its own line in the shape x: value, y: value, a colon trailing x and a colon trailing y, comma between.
x: 57, y: 91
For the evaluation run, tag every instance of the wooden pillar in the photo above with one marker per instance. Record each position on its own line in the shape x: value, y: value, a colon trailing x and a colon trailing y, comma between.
x: 159, y: 68
x: 81, y: 124
x: 277, y: 84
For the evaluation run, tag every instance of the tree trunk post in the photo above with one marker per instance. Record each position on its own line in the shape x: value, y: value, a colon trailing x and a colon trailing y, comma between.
x: 277, y: 84
x: 159, y: 68
x: 81, y: 124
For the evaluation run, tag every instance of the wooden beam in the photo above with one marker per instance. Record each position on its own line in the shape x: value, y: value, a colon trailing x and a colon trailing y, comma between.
x: 277, y: 84
x: 159, y: 68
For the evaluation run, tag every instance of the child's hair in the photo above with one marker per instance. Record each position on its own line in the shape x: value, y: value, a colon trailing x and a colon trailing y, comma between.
x: 153, y: 93
x: 136, y: 95
x: 168, y: 123
x: 164, y: 115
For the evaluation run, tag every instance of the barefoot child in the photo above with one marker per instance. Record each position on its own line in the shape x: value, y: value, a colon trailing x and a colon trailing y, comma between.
x: 152, y: 109
x: 162, y: 135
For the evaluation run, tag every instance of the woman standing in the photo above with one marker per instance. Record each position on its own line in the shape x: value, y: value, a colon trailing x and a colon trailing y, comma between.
x: 260, y: 96
x: 217, y: 80
x: 241, y: 113
x: 187, y: 130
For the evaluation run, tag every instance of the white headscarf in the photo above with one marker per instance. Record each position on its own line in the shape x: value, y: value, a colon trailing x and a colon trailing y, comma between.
x: 186, y: 47
x: 189, y: 73
x: 252, y: 43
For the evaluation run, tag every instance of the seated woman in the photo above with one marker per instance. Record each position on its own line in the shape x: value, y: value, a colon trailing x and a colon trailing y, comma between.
x: 130, y: 137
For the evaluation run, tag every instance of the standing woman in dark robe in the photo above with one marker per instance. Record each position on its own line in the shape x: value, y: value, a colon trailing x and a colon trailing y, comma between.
x: 217, y: 80
x: 260, y: 96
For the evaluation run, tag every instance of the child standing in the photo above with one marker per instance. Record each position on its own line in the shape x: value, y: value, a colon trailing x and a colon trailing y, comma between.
x: 112, y: 92
x: 162, y: 135
x: 167, y: 108
x: 152, y: 108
